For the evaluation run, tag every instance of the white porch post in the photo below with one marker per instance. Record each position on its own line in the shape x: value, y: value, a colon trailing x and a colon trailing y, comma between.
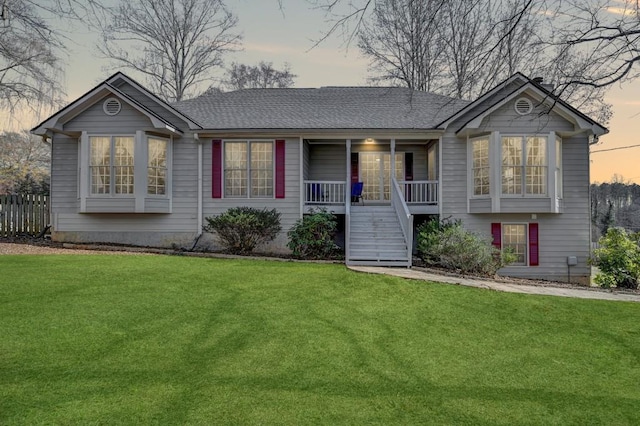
x: 347, y: 200
x: 392, y: 170
x: 347, y: 187
x: 393, y: 160
x: 301, y: 179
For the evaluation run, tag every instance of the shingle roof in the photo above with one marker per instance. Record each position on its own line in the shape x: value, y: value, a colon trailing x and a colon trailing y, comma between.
x: 323, y: 108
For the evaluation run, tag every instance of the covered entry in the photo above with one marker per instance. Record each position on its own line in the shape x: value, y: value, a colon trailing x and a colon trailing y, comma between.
x: 375, y: 172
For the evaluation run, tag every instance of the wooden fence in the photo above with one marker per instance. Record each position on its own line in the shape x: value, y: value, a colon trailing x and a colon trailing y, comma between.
x: 23, y: 214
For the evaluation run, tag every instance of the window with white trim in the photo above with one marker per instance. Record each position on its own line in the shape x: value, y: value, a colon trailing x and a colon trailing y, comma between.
x: 111, y: 165
x: 157, y: 149
x: 480, y: 165
x: 524, y: 165
x: 514, y: 238
x: 248, y: 169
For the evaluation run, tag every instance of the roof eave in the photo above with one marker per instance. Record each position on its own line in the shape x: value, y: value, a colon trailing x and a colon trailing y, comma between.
x: 193, y: 125
x: 75, y: 108
x: 340, y: 133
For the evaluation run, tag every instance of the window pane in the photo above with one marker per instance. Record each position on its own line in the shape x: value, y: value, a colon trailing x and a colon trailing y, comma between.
x: 536, y: 151
x: 100, y: 153
x: 261, y: 183
x: 261, y: 169
x: 536, y: 180
x: 512, y: 180
x: 480, y: 160
x: 235, y: 169
x: 511, y: 151
x: 235, y: 183
x: 514, y: 237
x: 512, y: 165
x: 157, y: 166
x: 536, y: 169
x: 123, y: 165
x: 235, y: 155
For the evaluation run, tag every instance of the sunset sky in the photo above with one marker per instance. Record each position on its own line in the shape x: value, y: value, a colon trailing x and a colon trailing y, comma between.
x: 286, y: 37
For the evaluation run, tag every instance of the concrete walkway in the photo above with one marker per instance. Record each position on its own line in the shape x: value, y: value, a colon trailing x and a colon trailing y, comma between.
x: 499, y: 286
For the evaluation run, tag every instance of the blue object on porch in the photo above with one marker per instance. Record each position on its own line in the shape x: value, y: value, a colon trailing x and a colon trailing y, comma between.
x: 316, y: 192
x: 356, y: 191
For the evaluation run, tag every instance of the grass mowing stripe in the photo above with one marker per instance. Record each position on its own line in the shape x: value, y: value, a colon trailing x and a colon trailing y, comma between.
x: 156, y: 339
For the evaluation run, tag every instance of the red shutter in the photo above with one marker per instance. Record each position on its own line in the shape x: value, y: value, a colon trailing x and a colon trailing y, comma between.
x: 354, y: 168
x: 533, y: 245
x: 496, y: 232
x: 280, y: 168
x: 408, y: 166
x: 216, y: 168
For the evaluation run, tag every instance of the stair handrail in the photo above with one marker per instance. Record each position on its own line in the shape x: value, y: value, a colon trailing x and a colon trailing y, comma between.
x: 404, y: 216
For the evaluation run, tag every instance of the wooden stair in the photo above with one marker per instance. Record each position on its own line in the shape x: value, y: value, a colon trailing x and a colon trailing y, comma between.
x: 376, y: 237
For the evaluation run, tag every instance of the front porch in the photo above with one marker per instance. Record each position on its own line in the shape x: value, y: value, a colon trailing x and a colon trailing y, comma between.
x: 331, y: 167
x: 421, y: 196
x: 399, y: 180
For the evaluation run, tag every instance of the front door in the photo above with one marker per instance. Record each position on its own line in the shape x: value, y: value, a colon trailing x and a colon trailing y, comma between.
x: 375, y: 173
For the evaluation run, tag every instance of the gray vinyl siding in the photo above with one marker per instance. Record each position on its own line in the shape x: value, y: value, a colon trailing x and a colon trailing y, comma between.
x: 64, y: 175
x: 506, y: 120
x: 179, y: 227
x: 94, y: 120
x: 289, y: 206
x: 420, y: 171
x: 560, y: 235
x: 328, y: 162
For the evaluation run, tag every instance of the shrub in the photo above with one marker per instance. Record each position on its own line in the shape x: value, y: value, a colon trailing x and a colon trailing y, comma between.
x: 312, y: 236
x: 618, y: 259
x: 447, y: 244
x: 429, y: 234
x: 241, y: 229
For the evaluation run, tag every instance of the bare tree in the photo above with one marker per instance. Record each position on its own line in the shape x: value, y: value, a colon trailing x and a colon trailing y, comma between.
x: 263, y: 75
x: 29, y: 56
x: 462, y: 48
x: 599, y: 38
x: 606, y: 33
x: 454, y: 47
x: 402, y: 42
x: 176, y: 44
x: 24, y: 158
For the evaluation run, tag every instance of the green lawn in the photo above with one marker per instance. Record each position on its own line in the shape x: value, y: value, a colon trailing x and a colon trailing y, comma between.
x: 174, y: 340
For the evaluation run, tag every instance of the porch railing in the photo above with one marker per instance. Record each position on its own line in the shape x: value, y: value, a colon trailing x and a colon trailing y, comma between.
x: 420, y: 191
x: 324, y: 192
x: 405, y: 218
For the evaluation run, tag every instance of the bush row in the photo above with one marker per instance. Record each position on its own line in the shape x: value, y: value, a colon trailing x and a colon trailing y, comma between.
x: 443, y: 243
x: 242, y: 229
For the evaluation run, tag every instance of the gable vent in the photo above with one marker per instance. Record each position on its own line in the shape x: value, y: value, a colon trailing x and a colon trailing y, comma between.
x: 523, y: 106
x: 111, y: 106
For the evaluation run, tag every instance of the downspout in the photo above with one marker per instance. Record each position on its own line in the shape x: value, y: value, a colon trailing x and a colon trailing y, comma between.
x: 199, y: 207
x: 439, y: 177
x: 200, y: 213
